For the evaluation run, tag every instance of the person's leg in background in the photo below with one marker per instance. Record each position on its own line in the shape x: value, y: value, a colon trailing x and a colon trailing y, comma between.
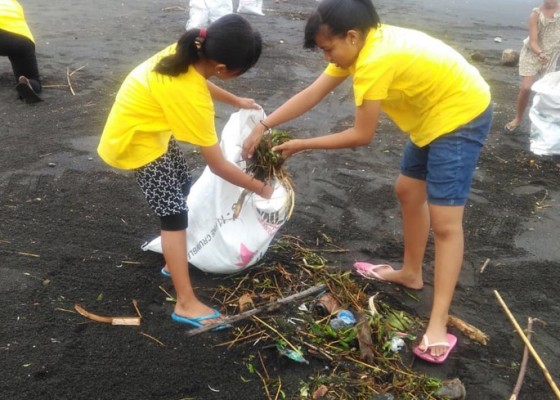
x: 21, y: 53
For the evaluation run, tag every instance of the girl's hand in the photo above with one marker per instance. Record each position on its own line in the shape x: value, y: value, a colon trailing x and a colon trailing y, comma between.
x: 247, y: 103
x: 290, y: 147
x: 266, y: 191
x: 543, y: 58
x: 252, y: 142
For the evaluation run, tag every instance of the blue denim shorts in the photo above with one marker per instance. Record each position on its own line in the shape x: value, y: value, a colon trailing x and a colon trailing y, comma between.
x: 448, y: 163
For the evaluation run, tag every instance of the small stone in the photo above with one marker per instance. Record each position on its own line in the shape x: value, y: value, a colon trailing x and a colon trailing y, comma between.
x: 452, y: 389
x: 51, y: 164
x: 476, y: 56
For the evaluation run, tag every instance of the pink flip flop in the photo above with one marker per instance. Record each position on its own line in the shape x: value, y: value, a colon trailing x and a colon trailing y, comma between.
x: 369, y: 271
x: 425, y: 354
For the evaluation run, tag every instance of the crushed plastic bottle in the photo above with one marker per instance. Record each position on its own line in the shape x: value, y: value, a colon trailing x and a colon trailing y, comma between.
x: 397, y: 344
x: 344, y: 319
x: 291, y: 354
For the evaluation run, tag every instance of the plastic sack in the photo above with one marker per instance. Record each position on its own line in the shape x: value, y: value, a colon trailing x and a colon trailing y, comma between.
x: 216, y: 242
x: 203, y: 12
x: 250, y: 7
x: 545, y: 115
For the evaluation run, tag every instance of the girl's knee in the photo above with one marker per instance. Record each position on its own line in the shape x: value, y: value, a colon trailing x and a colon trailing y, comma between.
x: 410, y: 191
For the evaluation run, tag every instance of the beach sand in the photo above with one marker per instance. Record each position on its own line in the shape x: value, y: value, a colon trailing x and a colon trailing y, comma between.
x: 68, y: 218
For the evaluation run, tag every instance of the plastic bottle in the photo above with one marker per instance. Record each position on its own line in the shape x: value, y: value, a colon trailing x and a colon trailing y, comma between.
x: 344, y: 319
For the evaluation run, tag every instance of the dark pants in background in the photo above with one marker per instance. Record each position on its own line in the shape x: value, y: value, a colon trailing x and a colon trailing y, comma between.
x: 21, y: 52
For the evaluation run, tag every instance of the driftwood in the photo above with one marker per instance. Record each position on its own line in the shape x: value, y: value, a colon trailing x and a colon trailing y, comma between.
x: 529, y: 346
x: 265, y: 308
x: 109, y: 320
x: 470, y: 331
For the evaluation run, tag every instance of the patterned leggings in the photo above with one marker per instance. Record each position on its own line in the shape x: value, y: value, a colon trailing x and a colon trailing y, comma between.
x: 166, y: 183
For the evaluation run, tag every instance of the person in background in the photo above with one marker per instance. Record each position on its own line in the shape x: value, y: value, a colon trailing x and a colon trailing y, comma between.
x: 538, y: 56
x: 435, y: 96
x: 17, y: 43
x: 166, y: 99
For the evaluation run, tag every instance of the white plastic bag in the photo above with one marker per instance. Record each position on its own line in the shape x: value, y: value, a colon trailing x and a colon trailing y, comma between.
x: 203, y: 12
x: 250, y: 7
x: 215, y: 241
x: 545, y: 115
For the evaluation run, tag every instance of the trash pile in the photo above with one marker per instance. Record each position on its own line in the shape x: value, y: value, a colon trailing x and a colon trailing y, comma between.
x: 351, y: 337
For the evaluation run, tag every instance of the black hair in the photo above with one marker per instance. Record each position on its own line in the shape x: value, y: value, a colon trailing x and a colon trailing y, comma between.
x: 229, y: 40
x: 340, y: 16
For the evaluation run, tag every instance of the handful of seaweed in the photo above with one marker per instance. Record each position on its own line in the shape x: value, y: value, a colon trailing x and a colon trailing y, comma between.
x: 267, y: 165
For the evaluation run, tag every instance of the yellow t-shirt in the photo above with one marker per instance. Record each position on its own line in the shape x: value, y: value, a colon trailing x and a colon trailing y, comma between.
x: 150, y: 108
x: 427, y: 88
x: 12, y: 19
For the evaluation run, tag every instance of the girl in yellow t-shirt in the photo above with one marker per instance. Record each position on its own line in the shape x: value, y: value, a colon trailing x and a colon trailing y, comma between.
x: 435, y: 96
x: 168, y: 98
x: 17, y: 43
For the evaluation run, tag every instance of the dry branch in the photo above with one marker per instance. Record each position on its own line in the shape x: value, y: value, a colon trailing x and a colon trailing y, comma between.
x: 108, y: 320
x: 69, y: 74
x: 484, y: 265
x: 529, y: 346
x: 523, y: 367
x: 267, y: 307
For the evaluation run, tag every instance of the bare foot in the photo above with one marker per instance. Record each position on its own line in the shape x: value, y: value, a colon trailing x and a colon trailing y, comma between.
x: 512, y: 125
x: 435, y: 336
x: 402, y: 277
x: 384, y: 272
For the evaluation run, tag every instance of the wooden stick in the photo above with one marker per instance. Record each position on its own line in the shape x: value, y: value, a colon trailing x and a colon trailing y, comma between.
x: 68, y: 80
x: 523, y: 367
x: 108, y: 320
x: 529, y: 346
x: 484, y: 265
x: 267, y: 307
x: 69, y: 74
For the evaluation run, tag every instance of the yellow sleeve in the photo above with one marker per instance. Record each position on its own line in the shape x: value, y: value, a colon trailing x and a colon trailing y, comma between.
x: 372, y: 81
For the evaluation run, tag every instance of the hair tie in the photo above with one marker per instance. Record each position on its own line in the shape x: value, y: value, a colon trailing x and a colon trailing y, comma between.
x: 200, y: 38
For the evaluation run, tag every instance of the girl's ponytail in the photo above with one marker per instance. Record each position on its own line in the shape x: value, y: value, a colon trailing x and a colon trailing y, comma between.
x: 189, y: 49
x: 230, y: 40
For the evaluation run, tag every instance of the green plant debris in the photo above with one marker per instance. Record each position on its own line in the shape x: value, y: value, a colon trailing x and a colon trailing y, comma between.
x: 290, y: 267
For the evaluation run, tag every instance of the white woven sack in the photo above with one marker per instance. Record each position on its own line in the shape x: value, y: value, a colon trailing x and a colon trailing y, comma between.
x: 216, y: 242
x: 545, y: 115
x: 203, y: 12
x: 250, y: 7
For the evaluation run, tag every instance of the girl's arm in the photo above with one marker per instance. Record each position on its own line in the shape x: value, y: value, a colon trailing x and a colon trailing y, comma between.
x: 292, y: 108
x: 226, y: 97
x: 228, y: 171
x: 365, y: 124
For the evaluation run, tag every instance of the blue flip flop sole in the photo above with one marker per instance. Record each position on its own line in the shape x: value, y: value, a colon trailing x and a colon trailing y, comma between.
x: 196, y: 322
